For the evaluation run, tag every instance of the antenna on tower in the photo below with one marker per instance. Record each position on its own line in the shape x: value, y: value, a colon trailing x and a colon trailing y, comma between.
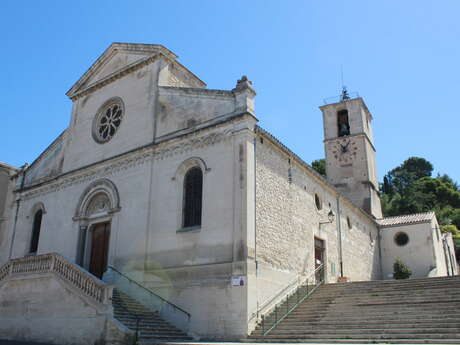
x: 344, y: 95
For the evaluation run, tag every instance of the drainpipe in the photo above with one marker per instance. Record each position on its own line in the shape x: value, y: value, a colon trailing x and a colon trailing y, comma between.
x: 18, y: 202
x: 339, y: 230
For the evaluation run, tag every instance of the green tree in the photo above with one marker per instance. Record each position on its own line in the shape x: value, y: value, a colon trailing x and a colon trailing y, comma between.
x: 401, y: 270
x: 401, y: 178
x: 409, y: 188
x: 320, y: 166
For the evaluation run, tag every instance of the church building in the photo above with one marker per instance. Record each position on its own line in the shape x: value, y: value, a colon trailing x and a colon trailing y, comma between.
x: 162, y: 187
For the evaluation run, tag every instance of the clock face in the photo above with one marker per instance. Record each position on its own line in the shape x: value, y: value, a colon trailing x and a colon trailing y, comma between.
x: 344, y: 150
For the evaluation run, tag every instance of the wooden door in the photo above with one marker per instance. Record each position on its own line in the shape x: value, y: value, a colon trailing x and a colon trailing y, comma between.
x: 99, y: 249
x: 319, y: 252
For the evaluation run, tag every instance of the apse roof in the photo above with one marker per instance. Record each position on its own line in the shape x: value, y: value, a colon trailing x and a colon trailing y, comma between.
x: 406, y: 219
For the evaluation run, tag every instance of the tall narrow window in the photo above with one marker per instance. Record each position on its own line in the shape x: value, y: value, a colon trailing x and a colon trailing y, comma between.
x: 342, y: 122
x: 36, y: 231
x: 193, y: 193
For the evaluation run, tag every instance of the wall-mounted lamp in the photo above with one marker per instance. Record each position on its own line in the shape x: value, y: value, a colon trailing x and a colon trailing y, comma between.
x: 330, y: 217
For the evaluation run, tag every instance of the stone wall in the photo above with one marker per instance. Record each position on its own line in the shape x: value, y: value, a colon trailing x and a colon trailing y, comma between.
x: 422, y: 240
x: 45, y: 307
x: 287, y: 221
x: 426, y: 240
x: 7, y: 183
x: 146, y: 237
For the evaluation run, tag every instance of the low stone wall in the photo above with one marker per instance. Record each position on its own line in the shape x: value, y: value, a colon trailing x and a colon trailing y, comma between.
x: 38, y: 303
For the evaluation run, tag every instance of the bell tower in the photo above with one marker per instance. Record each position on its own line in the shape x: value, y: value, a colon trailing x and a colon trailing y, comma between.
x: 350, y: 152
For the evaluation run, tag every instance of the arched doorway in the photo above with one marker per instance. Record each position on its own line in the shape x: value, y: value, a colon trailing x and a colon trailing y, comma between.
x: 99, y: 241
x: 95, y: 212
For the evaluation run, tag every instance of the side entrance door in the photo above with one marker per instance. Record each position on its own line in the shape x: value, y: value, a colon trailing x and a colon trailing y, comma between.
x: 99, y: 249
x: 319, y: 256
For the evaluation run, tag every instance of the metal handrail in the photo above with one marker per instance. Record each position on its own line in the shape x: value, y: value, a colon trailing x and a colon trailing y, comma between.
x: 150, y: 291
x: 274, y: 298
x: 138, y: 319
x: 317, y: 276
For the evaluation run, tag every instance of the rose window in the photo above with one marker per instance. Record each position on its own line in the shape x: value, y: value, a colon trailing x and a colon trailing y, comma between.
x: 107, y: 121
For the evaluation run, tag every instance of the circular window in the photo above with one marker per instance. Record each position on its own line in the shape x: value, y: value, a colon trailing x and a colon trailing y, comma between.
x: 401, y: 239
x: 108, y: 120
x: 318, y: 202
x: 349, y: 223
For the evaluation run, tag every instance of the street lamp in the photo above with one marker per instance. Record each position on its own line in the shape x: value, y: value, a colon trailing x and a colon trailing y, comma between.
x: 330, y: 217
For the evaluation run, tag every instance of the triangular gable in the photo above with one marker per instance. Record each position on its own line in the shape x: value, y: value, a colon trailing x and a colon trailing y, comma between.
x: 118, y: 57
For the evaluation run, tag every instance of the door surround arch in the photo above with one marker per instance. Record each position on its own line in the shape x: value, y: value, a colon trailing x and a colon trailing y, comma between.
x: 98, y: 205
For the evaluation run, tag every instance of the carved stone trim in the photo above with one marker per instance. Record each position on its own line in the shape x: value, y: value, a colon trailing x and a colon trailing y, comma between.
x: 115, y: 76
x: 139, y: 157
x: 86, y: 201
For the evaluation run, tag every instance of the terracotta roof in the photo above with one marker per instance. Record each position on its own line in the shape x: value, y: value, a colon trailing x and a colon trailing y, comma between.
x: 406, y: 219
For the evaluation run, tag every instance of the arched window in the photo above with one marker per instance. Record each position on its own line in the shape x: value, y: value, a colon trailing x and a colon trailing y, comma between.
x: 342, y: 122
x: 193, y: 193
x: 36, y: 231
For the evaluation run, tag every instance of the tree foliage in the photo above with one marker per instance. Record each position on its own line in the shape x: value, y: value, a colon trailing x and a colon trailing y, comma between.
x: 320, y: 166
x: 410, y: 188
x: 401, y: 270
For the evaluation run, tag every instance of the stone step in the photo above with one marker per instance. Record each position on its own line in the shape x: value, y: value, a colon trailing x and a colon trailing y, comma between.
x: 151, y: 326
x: 400, y: 289
x: 444, y: 341
x: 364, y: 335
x: 366, y: 314
x: 418, y: 294
x: 358, y: 331
x: 403, y: 288
x: 328, y: 327
x: 441, y: 304
x: 416, y: 311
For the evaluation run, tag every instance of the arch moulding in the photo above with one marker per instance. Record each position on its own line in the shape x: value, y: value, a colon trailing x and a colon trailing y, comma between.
x: 102, y: 186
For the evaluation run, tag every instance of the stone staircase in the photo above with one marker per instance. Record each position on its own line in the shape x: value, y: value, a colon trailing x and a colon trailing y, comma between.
x: 412, y: 311
x: 152, y: 328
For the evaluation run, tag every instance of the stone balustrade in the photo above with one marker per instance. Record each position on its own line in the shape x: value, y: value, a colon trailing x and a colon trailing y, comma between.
x: 55, y: 263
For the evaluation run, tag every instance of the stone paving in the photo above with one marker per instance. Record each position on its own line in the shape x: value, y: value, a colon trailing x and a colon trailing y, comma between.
x: 16, y: 342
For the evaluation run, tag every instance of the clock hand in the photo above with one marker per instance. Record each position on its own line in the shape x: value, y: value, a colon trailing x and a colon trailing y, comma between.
x: 345, y: 147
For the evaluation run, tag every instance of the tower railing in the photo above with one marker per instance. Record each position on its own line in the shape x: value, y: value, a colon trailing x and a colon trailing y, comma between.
x: 340, y: 98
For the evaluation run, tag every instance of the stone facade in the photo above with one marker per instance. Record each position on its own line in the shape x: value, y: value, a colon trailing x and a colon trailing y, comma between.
x: 350, y: 159
x: 435, y: 250
x: 262, y: 207
x: 7, y: 174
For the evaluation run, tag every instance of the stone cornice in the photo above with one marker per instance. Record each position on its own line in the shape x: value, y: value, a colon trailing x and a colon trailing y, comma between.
x: 114, y: 76
x: 132, y: 48
x: 184, y: 69
x: 139, y: 156
x: 207, y: 93
x: 363, y: 134
x: 360, y: 99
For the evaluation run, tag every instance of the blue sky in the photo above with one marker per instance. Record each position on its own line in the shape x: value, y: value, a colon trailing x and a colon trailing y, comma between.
x: 401, y: 56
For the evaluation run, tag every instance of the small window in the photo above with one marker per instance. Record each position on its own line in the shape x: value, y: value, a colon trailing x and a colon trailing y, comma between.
x: 401, y: 239
x: 350, y: 225
x: 342, y: 123
x: 318, y: 202
x: 36, y: 231
x: 193, y: 192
